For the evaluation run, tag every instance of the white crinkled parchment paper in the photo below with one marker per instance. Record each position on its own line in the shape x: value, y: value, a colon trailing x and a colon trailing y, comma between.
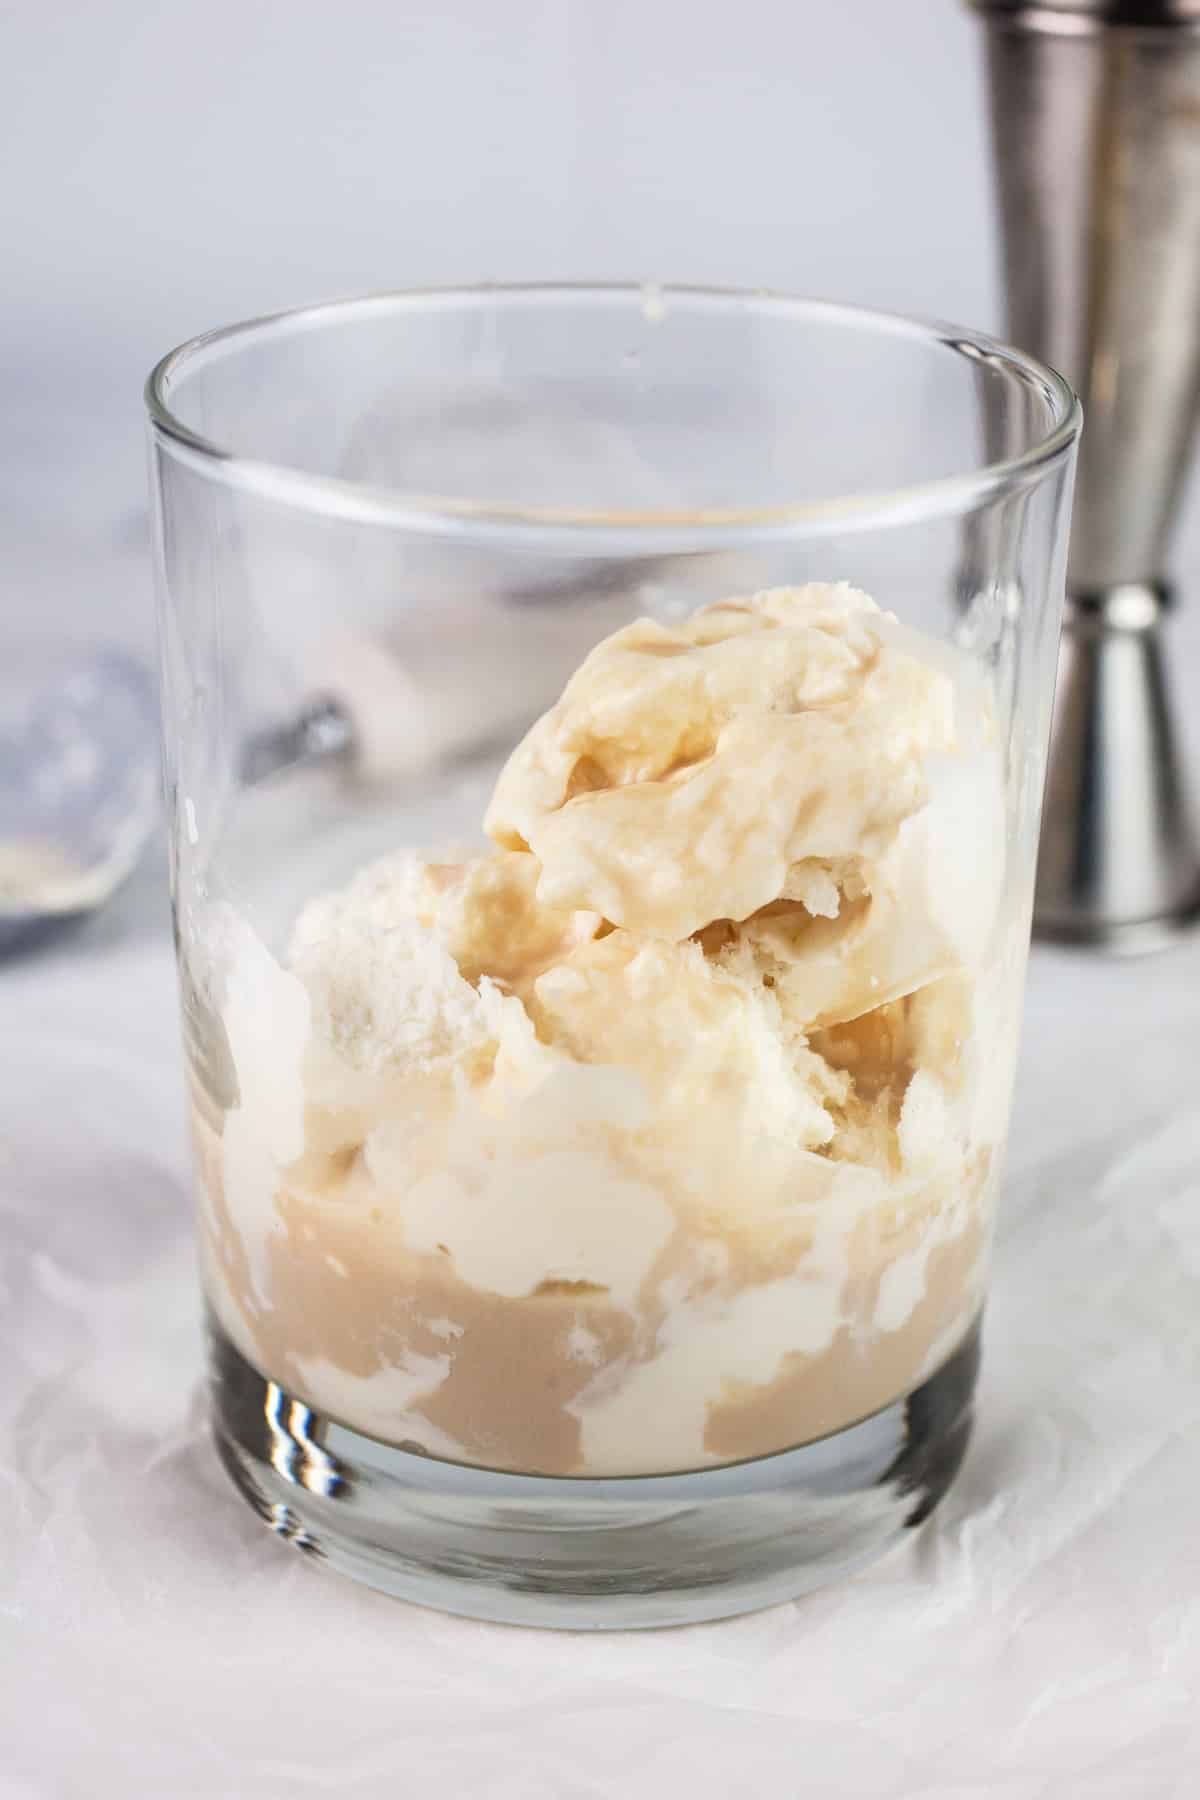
x: 1040, y: 1638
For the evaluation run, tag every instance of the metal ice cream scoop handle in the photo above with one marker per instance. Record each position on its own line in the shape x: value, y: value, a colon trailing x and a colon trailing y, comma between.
x: 1096, y: 133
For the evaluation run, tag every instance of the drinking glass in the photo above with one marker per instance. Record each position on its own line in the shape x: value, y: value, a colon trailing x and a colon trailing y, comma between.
x: 587, y: 1251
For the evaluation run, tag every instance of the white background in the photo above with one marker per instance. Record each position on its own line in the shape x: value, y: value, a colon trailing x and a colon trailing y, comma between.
x: 169, y: 167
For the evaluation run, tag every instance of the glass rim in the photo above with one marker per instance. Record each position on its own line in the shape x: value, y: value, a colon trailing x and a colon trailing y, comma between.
x: 363, y: 503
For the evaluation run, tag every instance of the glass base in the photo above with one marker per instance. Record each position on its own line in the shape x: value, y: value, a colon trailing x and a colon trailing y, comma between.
x: 582, y: 1553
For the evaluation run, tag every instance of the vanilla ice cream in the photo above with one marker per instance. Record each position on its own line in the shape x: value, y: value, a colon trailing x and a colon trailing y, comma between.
x: 666, y: 1133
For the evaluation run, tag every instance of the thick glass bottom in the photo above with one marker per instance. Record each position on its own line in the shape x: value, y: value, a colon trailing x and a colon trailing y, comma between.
x: 581, y: 1553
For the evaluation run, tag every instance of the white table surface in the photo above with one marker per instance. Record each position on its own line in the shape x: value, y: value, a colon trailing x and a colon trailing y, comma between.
x: 1041, y: 1637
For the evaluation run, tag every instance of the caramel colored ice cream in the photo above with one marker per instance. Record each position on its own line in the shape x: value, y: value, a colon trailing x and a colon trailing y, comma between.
x: 663, y: 1135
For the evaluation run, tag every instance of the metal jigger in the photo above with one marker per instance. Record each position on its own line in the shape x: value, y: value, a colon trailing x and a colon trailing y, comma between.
x: 1096, y: 129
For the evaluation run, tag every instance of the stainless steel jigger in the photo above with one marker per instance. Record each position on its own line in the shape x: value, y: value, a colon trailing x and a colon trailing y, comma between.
x: 1096, y: 131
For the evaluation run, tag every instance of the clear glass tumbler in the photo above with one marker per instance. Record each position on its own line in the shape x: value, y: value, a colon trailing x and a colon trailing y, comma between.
x: 604, y: 743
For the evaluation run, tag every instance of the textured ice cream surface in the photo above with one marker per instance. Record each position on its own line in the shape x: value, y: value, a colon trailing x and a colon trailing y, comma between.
x: 688, y: 771
x: 663, y: 1134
